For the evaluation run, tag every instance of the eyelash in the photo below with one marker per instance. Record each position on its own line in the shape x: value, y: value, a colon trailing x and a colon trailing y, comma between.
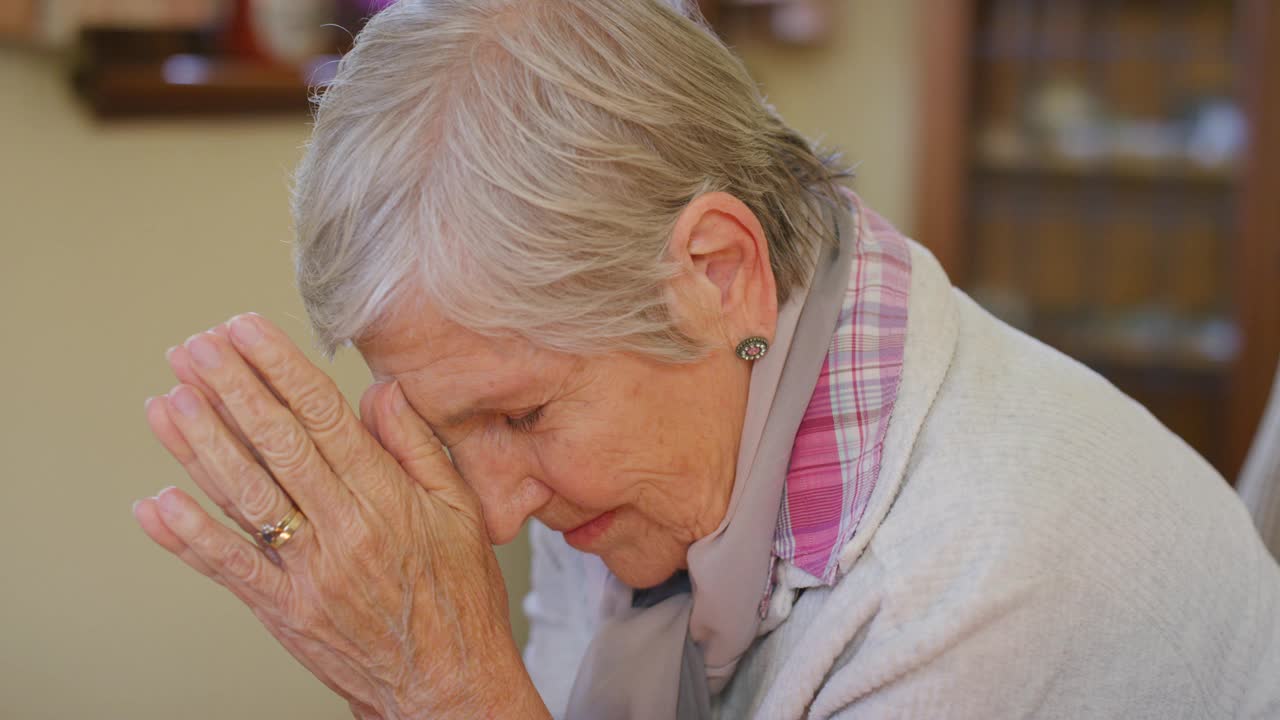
x: 525, y: 423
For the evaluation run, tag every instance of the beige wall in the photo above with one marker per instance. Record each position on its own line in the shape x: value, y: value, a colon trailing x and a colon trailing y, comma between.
x: 121, y: 240
x: 856, y: 93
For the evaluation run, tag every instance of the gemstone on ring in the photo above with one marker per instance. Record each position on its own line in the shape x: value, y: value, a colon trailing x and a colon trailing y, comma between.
x: 278, y: 534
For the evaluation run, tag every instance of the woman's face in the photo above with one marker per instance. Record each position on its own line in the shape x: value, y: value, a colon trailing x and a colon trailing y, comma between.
x: 632, y: 459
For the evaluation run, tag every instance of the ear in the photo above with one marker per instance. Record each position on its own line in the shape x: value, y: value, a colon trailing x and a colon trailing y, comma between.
x: 727, y: 292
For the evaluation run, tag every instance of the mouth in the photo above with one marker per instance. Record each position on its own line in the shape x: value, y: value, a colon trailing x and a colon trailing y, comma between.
x: 585, y: 535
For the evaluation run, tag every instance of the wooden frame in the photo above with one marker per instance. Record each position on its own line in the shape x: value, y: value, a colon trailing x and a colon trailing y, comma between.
x: 1258, y: 258
x: 942, y: 190
x: 942, y: 168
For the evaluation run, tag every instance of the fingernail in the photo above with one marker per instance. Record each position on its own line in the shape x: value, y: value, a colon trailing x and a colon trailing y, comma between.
x: 168, y: 354
x: 168, y: 501
x: 146, y: 404
x: 134, y: 508
x: 185, y: 400
x: 204, y: 352
x: 244, y: 328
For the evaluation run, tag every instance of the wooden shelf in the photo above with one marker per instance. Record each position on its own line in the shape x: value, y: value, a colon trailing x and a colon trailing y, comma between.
x: 193, y: 85
x: 1104, y: 354
x: 1118, y: 169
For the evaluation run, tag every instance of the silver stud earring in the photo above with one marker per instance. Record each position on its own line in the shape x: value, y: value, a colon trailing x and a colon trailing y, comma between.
x: 752, y: 349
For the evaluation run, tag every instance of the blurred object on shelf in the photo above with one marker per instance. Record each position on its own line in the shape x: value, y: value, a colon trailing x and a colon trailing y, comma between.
x: 1098, y: 149
x: 242, y: 56
x: 284, y: 31
x: 1149, y: 336
x: 1068, y: 126
x: 131, y: 73
x: 59, y: 22
x: 18, y: 19
x: 1216, y: 133
x: 1067, y: 119
x: 792, y: 22
x: 801, y: 22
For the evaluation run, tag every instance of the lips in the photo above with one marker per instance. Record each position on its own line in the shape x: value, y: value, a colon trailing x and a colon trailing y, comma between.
x: 585, y: 535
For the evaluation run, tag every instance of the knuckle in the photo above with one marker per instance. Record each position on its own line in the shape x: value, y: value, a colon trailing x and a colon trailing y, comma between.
x: 273, y: 359
x: 285, y: 447
x: 239, y: 393
x: 243, y: 563
x: 258, y: 498
x: 319, y: 405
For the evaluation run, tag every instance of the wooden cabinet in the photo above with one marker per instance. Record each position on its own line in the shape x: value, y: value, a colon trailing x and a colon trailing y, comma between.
x: 1105, y: 174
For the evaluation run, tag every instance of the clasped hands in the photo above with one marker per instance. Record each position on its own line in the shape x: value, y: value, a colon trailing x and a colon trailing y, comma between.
x: 389, y: 591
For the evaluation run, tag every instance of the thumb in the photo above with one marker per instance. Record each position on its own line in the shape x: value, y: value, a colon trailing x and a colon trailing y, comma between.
x: 415, y: 446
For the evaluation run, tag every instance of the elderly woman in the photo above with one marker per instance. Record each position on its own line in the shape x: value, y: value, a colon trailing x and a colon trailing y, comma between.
x: 779, y: 467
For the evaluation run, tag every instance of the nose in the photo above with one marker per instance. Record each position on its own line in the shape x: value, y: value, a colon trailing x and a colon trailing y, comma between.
x: 506, y: 481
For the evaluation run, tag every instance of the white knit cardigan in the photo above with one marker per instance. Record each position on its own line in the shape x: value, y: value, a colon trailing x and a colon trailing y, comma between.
x: 1037, y: 545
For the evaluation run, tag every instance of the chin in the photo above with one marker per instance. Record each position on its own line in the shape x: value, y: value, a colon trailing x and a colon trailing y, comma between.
x: 644, y: 572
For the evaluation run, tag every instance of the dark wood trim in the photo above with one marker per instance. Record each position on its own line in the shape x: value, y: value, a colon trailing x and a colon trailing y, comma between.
x: 710, y: 10
x: 218, y: 87
x: 941, y: 198
x: 1258, y: 252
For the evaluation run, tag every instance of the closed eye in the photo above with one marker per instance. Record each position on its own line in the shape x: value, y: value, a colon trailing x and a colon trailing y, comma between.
x: 525, y: 423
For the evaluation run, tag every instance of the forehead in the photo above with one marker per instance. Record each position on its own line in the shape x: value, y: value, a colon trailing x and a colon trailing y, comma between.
x: 446, y: 367
x: 414, y: 336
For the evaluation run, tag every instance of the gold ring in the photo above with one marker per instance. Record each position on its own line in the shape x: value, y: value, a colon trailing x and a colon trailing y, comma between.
x: 276, y: 535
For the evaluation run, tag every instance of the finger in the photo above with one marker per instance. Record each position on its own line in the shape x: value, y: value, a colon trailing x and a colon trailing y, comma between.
x: 367, y: 414
x: 148, y: 516
x: 244, y: 482
x: 159, y: 417
x: 282, y: 443
x: 224, y: 331
x: 315, y: 400
x: 412, y: 443
x: 241, y: 565
x: 179, y: 359
x: 180, y: 362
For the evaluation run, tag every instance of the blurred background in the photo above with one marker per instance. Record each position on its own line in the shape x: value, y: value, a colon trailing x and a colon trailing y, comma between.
x: 1102, y: 174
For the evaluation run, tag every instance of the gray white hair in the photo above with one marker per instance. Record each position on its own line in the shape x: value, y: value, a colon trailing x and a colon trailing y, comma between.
x: 521, y: 165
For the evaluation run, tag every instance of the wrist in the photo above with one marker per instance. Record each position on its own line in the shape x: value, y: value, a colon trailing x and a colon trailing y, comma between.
x: 509, y: 694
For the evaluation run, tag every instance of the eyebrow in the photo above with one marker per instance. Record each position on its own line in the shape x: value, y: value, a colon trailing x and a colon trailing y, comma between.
x: 460, y: 416
x: 484, y: 403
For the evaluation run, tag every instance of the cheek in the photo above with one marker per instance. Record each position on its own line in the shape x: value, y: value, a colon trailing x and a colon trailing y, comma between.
x: 596, y: 463
x: 581, y: 469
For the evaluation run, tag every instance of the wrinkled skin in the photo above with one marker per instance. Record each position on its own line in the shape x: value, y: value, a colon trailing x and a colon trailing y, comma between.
x: 389, y: 592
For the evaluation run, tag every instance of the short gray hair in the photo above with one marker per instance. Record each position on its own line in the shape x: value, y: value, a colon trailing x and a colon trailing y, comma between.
x: 521, y: 164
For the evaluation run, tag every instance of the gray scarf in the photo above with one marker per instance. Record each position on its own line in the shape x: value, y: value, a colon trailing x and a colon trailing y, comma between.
x: 662, y: 652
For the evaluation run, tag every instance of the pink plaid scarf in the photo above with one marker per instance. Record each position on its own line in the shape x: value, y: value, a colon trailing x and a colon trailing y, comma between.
x: 836, y: 457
